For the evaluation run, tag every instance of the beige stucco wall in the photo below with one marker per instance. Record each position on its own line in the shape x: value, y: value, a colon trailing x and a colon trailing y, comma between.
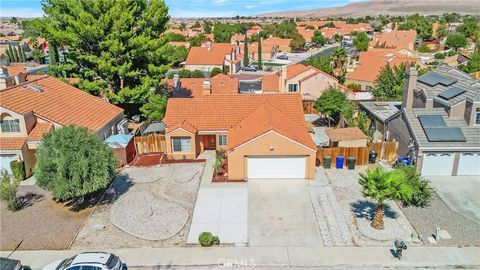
x: 353, y: 143
x: 363, y: 84
x: 237, y: 162
x: 24, y: 122
x: 194, y: 146
x: 205, y: 68
x: 314, y: 87
x: 106, y: 130
x: 458, y: 110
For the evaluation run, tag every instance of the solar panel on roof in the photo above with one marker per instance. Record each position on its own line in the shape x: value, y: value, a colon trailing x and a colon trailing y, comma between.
x: 431, y: 121
x: 451, y: 92
x: 433, y: 79
x: 444, y: 134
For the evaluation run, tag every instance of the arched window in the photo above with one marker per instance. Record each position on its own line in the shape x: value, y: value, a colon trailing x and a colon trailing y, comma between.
x: 9, y: 124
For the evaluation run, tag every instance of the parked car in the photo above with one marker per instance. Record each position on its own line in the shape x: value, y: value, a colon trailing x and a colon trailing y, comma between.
x: 282, y: 57
x: 249, y: 68
x: 88, y: 260
x: 9, y: 264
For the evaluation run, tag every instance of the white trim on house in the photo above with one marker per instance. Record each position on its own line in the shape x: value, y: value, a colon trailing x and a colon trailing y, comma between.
x: 181, y: 129
x: 209, y: 132
x: 268, y: 132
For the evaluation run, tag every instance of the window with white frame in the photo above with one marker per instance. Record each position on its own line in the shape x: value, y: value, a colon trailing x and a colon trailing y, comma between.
x: 477, y: 118
x: 222, y: 140
x: 181, y: 144
x: 293, y: 87
x: 369, y: 88
x: 10, y: 125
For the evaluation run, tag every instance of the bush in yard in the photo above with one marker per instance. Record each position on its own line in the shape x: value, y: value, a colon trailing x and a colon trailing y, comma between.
x: 8, y: 191
x: 421, y: 192
x: 207, y: 239
x: 72, y: 163
x: 18, y: 169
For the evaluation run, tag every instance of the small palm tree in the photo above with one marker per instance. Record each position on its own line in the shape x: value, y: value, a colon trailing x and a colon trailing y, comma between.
x: 380, y: 186
x: 339, y: 57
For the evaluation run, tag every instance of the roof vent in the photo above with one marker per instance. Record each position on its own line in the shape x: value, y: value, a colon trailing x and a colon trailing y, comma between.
x: 36, y: 88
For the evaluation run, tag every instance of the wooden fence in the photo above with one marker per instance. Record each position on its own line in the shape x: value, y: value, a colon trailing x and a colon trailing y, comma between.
x: 150, y: 144
x: 385, y: 150
x: 309, y: 106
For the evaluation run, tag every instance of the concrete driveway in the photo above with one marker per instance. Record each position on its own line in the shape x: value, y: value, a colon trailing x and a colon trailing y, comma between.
x: 280, y: 214
x: 460, y: 193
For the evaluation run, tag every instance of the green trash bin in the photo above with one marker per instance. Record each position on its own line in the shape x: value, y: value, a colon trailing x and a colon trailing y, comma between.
x: 351, y: 163
x: 372, y: 156
x: 327, y: 162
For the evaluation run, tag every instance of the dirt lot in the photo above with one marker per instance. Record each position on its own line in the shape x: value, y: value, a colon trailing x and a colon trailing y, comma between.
x: 41, y: 224
x: 176, y: 183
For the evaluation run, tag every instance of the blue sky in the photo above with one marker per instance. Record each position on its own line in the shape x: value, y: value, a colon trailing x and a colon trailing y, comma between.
x: 192, y: 8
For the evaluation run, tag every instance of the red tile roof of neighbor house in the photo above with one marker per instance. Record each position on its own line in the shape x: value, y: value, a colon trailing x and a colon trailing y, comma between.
x: 215, y: 55
x: 15, y: 143
x: 16, y: 69
x: 264, y: 119
x: 371, y: 62
x: 193, y: 87
x: 297, y: 69
x: 307, y: 34
x: 329, y: 32
x: 342, y: 134
x: 399, y: 39
x: 270, y: 83
x: 36, y: 134
x: 221, y: 112
x: 59, y: 102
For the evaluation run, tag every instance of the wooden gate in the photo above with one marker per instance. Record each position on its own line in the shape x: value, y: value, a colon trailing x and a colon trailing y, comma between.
x: 385, y: 150
x: 150, y: 144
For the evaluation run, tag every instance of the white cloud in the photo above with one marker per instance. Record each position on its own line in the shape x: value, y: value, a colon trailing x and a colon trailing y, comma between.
x: 22, y: 12
x: 250, y: 6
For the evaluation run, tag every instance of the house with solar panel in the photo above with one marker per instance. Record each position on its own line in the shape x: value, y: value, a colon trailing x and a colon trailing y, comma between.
x: 439, y: 123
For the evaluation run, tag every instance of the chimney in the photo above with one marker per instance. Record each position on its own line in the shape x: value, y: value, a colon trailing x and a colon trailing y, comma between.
x: 208, y: 44
x: 282, y: 78
x: 5, y: 80
x: 176, y: 82
x: 207, y: 88
x: 409, y: 84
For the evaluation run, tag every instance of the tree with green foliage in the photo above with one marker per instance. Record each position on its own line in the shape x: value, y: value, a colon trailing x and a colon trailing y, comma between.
x: 442, y: 31
x: 13, y: 20
x: 197, y: 40
x: 321, y: 62
x: 222, y: 32
x: 318, y: 38
x: 381, y: 186
x: 23, y: 56
x: 361, y: 42
x: 297, y: 42
x: 419, y: 23
x: 182, y: 26
x: 116, y: 41
x: 259, y: 61
x: 469, y: 27
x: 331, y: 103
x: 215, y: 71
x: 154, y: 109
x: 245, y: 51
x: 170, y: 36
x: 339, y: 57
x: 337, y: 38
x: 207, y: 27
x: 73, y: 162
x: 473, y: 65
x: 16, y: 55
x: 197, y: 74
x: 185, y: 73
x: 196, y: 25
x: 456, y: 41
x: 423, y: 48
x: 8, y: 191
x: 38, y: 56
x: 421, y: 192
x: 10, y: 56
x: 389, y: 83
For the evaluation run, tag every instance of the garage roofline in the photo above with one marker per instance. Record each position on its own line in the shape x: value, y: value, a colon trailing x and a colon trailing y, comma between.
x: 266, y: 133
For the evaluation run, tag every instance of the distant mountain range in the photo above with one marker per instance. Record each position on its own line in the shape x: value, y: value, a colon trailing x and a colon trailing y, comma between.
x: 387, y: 7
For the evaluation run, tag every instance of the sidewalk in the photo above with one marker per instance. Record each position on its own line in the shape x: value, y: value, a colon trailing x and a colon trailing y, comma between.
x: 279, y: 257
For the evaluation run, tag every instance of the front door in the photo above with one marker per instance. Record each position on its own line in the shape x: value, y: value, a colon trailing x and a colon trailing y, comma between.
x: 209, y: 142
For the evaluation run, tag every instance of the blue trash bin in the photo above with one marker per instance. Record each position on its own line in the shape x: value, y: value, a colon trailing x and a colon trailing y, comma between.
x: 400, y: 160
x: 339, y: 162
x: 406, y: 162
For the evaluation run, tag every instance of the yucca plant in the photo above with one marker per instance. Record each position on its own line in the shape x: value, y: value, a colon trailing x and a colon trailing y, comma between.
x: 8, y: 191
x: 380, y: 186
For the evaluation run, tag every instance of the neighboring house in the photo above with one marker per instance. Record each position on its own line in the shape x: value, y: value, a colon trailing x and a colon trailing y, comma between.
x: 29, y: 110
x: 346, y: 137
x: 12, y: 75
x: 370, y: 64
x: 307, y: 34
x: 439, y: 126
x: 197, y: 87
x: 264, y: 135
x: 269, y: 50
x: 214, y: 55
x: 308, y: 81
x: 399, y: 39
x: 380, y: 113
x: 4, y: 60
x: 282, y: 43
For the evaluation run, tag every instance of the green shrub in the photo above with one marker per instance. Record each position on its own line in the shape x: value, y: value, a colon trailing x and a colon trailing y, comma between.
x: 8, y: 191
x: 439, y: 55
x: 422, y: 193
x: 18, y: 169
x: 207, y: 239
x: 451, y: 53
x: 220, y: 153
x: 197, y: 74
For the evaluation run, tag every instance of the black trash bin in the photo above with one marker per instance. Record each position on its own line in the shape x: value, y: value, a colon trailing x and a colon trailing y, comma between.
x: 327, y: 162
x: 351, y: 163
x: 372, y: 156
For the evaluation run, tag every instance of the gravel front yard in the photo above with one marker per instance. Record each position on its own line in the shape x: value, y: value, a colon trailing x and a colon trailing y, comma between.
x: 169, y: 190
x: 43, y: 224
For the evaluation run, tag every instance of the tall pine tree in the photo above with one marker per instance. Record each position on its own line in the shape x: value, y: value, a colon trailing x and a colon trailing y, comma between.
x: 259, y: 62
x: 245, y: 51
x: 15, y: 55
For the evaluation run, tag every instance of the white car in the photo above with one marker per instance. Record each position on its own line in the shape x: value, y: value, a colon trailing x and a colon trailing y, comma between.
x: 88, y: 261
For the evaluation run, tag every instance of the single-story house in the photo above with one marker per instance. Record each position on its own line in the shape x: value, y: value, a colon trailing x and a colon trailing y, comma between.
x: 214, y: 55
x: 264, y: 135
x: 346, y: 137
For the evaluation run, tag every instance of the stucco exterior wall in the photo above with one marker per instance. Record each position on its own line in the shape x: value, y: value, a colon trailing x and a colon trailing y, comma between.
x: 261, y: 146
x: 106, y: 130
x: 458, y: 110
x: 399, y: 132
x: 11, y: 115
x: 180, y: 155
x: 471, y: 109
x: 314, y: 87
x: 363, y: 84
x: 419, y: 100
x: 204, y: 68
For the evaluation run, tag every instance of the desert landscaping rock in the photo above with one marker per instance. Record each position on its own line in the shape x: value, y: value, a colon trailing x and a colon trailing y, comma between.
x: 142, y: 214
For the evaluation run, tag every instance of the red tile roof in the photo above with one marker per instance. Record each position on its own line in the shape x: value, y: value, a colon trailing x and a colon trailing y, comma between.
x: 215, y: 55
x: 59, y: 102
x: 399, y: 39
x: 36, y: 134
x: 341, y: 134
x: 270, y: 83
x: 193, y: 87
x: 15, y: 143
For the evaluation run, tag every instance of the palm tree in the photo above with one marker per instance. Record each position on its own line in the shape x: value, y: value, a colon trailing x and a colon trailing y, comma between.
x: 380, y: 186
x: 339, y: 57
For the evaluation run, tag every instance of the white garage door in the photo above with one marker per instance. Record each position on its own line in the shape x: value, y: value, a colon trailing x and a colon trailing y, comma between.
x: 469, y: 164
x: 5, y: 162
x: 276, y: 167
x: 437, y: 163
